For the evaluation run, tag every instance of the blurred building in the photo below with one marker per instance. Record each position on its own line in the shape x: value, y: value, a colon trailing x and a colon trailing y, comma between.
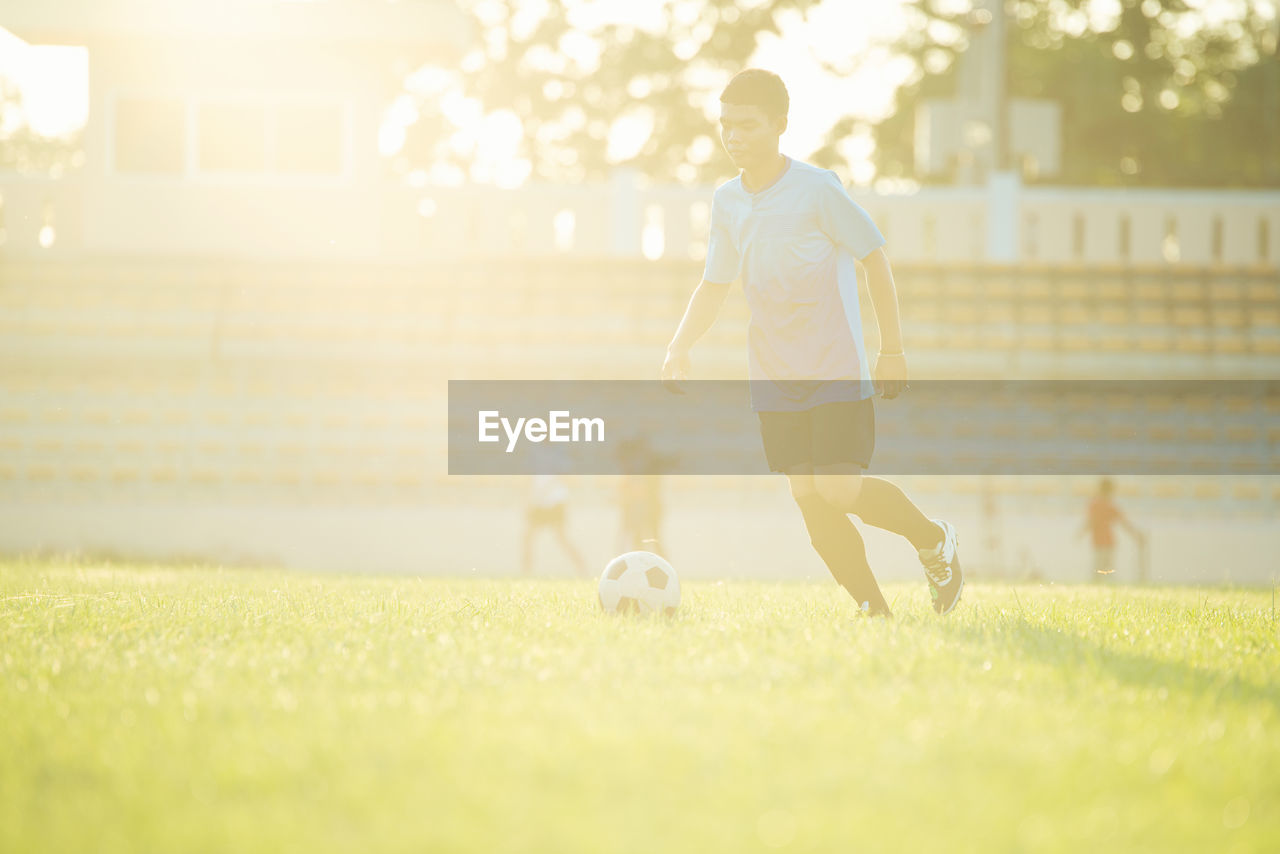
x: 233, y: 128
x: 248, y: 130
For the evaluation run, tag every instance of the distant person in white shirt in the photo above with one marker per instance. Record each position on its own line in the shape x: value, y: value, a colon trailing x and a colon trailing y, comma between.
x: 548, y: 498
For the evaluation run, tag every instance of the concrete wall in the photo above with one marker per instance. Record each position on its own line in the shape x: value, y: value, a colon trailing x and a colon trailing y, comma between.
x: 360, y: 218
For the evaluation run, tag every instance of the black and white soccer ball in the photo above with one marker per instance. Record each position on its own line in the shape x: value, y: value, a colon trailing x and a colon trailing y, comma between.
x: 639, y: 582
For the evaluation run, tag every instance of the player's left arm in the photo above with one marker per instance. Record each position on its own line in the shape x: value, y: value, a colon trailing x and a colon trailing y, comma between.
x: 890, y: 372
x: 848, y: 225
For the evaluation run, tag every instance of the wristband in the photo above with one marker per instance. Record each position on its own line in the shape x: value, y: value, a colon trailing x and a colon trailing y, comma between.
x: 899, y: 353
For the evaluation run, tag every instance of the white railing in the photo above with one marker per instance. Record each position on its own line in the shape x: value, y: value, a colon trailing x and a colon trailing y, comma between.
x: 622, y: 218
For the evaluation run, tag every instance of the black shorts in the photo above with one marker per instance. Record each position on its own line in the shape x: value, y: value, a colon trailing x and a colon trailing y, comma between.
x: 825, y: 435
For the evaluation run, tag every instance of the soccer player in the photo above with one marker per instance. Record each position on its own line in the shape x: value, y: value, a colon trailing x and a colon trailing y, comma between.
x: 791, y: 233
x: 1101, y: 517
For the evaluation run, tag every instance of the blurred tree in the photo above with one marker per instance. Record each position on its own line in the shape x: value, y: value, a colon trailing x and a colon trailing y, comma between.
x: 25, y: 151
x: 573, y: 82
x: 1159, y: 92
x: 1153, y: 92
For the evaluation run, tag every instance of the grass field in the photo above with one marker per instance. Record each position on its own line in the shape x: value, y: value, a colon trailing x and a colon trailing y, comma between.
x: 188, y: 709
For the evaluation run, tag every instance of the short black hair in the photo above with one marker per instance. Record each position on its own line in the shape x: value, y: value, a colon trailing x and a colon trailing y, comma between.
x: 759, y: 88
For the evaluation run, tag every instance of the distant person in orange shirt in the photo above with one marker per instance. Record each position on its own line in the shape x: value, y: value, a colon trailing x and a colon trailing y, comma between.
x: 1101, y: 518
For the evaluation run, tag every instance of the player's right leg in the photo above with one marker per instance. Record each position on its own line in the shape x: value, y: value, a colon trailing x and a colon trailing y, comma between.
x: 787, y: 438
x: 526, y: 550
x: 579, y: 564
x: 555, y: 519
x: 836, y: 540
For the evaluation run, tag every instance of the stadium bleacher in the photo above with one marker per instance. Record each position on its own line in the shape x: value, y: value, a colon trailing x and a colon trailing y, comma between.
x: 314, y: 381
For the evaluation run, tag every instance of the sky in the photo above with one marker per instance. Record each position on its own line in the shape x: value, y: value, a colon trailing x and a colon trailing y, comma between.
x: 54, y: 82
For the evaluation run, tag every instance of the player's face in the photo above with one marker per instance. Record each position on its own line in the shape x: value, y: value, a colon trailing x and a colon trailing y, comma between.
x: 748, y: 134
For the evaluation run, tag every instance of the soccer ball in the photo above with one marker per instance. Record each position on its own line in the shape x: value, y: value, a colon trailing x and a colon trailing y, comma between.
x: 639, y: 582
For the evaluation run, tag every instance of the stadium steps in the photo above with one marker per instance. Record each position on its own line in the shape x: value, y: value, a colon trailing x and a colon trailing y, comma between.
x: 131, y: 349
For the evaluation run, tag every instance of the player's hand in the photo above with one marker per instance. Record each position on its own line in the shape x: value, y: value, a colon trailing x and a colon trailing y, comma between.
x: 890, y: 375
x: 675, y: 370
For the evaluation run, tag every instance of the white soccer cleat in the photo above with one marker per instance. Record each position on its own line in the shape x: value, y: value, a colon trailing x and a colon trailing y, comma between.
x: 942, y: 568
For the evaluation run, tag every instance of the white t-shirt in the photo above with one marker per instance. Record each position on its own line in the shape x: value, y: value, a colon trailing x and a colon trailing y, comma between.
x: 795, y: 244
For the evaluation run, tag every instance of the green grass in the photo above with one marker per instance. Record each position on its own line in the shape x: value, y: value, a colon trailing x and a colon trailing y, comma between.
x: 189, y: 709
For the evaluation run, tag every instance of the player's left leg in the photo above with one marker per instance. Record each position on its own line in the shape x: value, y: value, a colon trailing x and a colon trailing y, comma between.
x: 884, y: 505
x: 880, y: 503
x: 877, y: 502
x: 557, y: 522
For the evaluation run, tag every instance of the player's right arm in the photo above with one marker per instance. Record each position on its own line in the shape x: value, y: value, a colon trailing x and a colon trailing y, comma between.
x: 701, y: 312
x: 723, y: 266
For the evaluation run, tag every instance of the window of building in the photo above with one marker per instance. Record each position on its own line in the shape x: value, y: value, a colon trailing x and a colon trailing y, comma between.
x: 308, y: 139
x: 233, y: 137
